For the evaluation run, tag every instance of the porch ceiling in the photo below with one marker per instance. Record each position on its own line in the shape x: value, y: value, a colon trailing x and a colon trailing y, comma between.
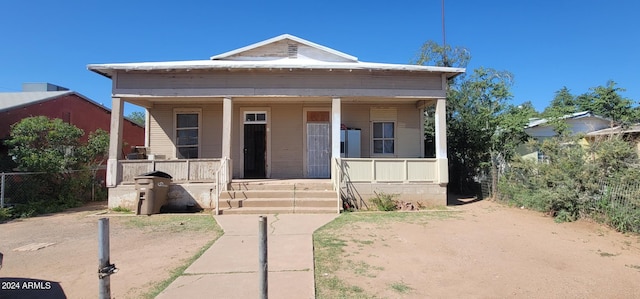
x: 149, y: 102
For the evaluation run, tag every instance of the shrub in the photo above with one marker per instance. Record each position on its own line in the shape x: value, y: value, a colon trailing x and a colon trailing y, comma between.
x: 121, y: 209
x: 384, y: 201
x: 599, y: 181
x: 5, y: 214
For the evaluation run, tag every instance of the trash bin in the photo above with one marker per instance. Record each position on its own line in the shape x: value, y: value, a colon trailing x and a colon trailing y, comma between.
x: 152, y: 189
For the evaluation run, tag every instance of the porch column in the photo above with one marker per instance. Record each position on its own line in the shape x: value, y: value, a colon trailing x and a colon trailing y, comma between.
x: 147, y: 125
x: 227, y: 113
x: 422, y: 120
x: 115, y: 141
x: 441, y: 140
x: 335, y: 129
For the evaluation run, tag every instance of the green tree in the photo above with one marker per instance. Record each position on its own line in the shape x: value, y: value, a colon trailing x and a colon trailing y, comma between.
x: 137, y: 117
x: 97, y: 149
x: 96, y: 153
x: 606, y: 101
x: 511, y: 125
x: 482, y: 127
x: 53, y: 147
x: 42, y: 144
x: 431, y: 53
x: 563, y: 103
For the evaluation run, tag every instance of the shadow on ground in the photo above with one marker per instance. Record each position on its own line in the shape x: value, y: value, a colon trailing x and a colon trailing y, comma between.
x: 460, y: 200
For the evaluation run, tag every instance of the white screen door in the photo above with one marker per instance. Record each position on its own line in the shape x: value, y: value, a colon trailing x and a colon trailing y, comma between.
x: 319, y: 150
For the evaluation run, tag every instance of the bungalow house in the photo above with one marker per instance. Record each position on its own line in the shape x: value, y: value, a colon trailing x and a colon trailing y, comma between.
x: 52, y: 101
x: 577, y: 123
x: 271, y: 116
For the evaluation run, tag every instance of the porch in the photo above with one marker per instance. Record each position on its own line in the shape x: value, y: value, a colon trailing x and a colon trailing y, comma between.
x: 207, y: 184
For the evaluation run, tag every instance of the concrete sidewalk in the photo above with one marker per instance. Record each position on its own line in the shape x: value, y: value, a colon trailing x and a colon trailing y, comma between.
x: 229, y: 268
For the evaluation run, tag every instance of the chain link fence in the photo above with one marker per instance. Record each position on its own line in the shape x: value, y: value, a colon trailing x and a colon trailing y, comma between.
x: 18, y: 188
x: 610, y: 201
x: 618, y: 202
x: 33, y: 188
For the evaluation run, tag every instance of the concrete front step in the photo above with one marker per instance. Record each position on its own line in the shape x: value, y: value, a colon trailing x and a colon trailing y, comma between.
x: 278, y: 202
x: 278, y: 210
x: 319, y: 185
x: 249, y: 194
x: 279, y: 196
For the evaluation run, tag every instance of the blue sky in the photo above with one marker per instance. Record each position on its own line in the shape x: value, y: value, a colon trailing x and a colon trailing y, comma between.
x: 545, y: 44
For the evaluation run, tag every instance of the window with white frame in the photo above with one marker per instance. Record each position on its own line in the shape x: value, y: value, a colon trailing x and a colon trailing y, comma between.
x: 187, y: 134
x: 255, y: 117
x: 384, y: 137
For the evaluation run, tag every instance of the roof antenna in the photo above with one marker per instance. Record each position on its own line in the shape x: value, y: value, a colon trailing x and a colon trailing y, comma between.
x: 444, y: 40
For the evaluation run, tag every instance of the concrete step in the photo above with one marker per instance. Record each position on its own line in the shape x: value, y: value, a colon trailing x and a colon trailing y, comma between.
x: 231, y: 194
x: 279, y: 196
x: 279, y: 202
x: 280, y: 210
x: 320, y: 185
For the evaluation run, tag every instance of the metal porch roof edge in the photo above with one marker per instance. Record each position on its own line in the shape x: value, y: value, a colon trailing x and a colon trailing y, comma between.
x: 107, y: 70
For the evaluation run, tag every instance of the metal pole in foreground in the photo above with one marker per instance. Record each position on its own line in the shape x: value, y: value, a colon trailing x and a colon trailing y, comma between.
x: 263, y: 265
x: 104, y: 286
x: 2, y: 191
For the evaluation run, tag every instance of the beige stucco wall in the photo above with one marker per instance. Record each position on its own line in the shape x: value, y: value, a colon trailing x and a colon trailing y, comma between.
x: 286, y: 141
x: 286, y: 131
x: 284, y: 138
x: 162, y: 130
x: 407, y: 127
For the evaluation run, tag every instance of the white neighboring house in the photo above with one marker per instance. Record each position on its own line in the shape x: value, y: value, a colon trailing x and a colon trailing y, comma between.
x: 540, y: 129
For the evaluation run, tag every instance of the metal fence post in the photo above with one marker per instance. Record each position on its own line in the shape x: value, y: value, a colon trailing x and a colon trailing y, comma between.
x: 105, y: 268
x: 2, y: 191
x: 263, y: 265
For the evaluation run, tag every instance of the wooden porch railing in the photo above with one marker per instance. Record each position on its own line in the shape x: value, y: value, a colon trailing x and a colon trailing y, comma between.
x: 346, y: 171
x: 182, y: 170
x: 393, y: 170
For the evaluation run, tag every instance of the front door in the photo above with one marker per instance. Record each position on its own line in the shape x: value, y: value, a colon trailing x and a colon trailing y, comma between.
x: 318, y: 144
x: 255, y: 146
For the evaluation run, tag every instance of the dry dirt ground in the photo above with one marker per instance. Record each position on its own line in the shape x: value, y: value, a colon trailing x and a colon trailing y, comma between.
x: 144, y: 254
x: 486, y: 250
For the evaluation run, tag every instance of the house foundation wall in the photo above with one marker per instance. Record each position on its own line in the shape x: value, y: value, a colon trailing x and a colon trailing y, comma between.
x: 420, y: 194
x: 180, y: 196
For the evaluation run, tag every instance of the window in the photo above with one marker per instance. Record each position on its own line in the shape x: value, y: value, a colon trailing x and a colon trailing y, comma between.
x: 187, y: 135
x: 384, y: 137
x: 255, y: 117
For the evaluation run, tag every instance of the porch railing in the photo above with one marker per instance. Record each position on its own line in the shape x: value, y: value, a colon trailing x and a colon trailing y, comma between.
x: 223, y: 178
x: 348, y: 196
x: 392, y: 170
x: 182, y: 170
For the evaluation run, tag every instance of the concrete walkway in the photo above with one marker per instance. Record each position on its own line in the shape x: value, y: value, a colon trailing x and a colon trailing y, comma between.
x: 229, y: 268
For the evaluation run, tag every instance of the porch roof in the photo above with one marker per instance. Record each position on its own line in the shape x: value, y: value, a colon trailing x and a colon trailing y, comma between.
x: 108, y: 70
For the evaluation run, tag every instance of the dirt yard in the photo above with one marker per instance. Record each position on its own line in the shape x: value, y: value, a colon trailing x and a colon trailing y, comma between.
x: 145, y: 249
x: 486, y: 250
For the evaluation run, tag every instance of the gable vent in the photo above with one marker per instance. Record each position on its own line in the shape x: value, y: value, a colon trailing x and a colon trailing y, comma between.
x: 293, y: 51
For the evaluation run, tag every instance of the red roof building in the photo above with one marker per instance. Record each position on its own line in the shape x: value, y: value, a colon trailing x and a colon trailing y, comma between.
x: 44, y: 99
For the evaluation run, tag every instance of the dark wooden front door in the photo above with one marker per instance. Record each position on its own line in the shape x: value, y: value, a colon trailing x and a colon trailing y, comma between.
x: 255, y: 145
